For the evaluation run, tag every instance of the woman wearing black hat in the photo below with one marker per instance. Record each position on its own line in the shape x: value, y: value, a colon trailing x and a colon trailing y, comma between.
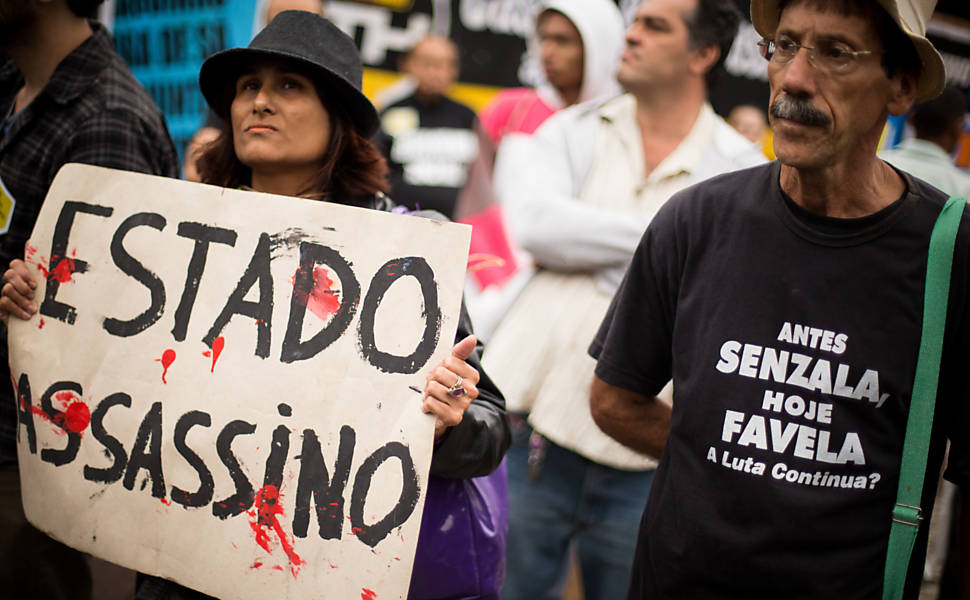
x: 297, y: 124
x: 296, y: 121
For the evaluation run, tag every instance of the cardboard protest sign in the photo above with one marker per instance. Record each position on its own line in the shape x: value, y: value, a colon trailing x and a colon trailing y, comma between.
x: 215, y: 388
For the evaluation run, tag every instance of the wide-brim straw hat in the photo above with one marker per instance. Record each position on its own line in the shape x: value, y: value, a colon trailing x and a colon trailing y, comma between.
x: 911, y: 16
x: 305, y: 39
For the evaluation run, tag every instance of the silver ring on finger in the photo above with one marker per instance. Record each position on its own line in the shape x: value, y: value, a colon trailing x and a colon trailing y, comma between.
x: 457, y: 390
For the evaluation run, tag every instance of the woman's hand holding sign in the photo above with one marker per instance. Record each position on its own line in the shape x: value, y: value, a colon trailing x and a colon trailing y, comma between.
x: 17, y: 296
x: 450, y: 387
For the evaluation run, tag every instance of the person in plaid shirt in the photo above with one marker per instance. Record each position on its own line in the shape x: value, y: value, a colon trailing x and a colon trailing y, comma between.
x: 65, y: 96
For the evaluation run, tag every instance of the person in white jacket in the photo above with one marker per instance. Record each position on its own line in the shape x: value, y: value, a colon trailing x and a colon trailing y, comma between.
x: 578, y: 196
x: 573, y: 55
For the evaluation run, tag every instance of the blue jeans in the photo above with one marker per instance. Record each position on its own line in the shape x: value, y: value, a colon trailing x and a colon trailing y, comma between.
x: 572, y: 501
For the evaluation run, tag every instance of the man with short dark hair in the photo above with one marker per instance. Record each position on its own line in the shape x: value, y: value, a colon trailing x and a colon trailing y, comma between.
x: 786, y: 302
x: 65, y: 96
x: 938, y: 124
x: 578, y: 195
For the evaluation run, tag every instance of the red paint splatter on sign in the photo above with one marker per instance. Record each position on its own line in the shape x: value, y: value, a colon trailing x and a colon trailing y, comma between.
x: 366, y: 594
x: 323, y: 300
x: 62, y: 270
x: 256, y: 565
x: 266, y: 514
x: 168, y: 357
x: 41, y: 324
x: 29, y: 251
x: 217, y: 345
x: 75, y: 416
x: 165, y: 501
x: 35, y: 410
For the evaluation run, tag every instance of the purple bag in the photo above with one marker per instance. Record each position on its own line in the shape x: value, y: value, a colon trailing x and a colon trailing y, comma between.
x: 461, y: 546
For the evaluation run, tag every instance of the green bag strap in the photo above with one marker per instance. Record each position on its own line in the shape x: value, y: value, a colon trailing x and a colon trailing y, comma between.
x: 907, y: 513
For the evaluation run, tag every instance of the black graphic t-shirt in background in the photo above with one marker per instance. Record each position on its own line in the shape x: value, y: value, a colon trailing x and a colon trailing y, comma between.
x: 792, y: 342
x: 429, y: 148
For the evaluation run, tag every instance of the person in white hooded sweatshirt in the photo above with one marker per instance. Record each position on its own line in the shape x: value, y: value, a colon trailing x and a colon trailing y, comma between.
x: 575, y: 50
x: 578, y: 195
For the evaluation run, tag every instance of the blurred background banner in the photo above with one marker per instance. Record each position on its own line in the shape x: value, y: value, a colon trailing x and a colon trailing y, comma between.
x: 165, y: 42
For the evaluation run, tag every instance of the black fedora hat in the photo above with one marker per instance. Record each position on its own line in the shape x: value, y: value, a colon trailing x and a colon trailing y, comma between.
x: 305, y: 39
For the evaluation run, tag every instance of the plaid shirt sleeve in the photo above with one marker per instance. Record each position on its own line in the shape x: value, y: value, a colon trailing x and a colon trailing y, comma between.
x: 118, y: 139
x: 91, y: 111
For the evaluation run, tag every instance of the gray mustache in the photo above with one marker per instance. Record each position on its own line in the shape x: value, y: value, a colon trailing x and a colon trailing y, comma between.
x: 799, y: 110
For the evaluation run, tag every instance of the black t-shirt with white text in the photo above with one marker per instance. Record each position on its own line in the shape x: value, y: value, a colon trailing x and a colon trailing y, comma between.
x: 429, y: 148
x: 792, y: 341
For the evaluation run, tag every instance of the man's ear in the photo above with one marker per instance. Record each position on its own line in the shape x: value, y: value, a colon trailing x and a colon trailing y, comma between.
x: 704, y: 59
x: 902, y: 93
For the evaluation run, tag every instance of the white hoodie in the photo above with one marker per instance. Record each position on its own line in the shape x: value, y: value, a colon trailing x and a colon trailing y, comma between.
x: 601, y: 28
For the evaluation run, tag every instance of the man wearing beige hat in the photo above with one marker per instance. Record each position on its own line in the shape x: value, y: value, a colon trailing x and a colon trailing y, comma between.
x: 786, y: 304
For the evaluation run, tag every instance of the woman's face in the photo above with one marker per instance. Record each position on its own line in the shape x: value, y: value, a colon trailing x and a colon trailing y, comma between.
x: 279, y: 123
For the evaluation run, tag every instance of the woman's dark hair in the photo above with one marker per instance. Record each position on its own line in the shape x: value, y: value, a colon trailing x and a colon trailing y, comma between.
x: 352, y: 170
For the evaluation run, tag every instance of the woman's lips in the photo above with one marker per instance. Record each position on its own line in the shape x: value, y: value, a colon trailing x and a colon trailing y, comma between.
x: 260, y: 128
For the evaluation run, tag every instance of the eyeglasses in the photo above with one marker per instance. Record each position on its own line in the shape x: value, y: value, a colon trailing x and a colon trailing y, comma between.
x: 831, y: 55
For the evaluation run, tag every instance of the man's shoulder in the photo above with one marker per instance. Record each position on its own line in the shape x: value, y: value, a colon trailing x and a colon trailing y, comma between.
x: 118, y: 90
x: 112, y: 101
x: 506, y: 99
x: 894, y: 155
x: 513, y: 103
x: 409, y: 101
x: 916, y: 152
x: 581, y: 120
x: 963, y: 179
x: 926, y: 192
x: 445, y: 104
x: 734, y: 147
x: 746, y: 182
x: 459, y: 107
x: 731, y: 191
x: 929, y: 164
